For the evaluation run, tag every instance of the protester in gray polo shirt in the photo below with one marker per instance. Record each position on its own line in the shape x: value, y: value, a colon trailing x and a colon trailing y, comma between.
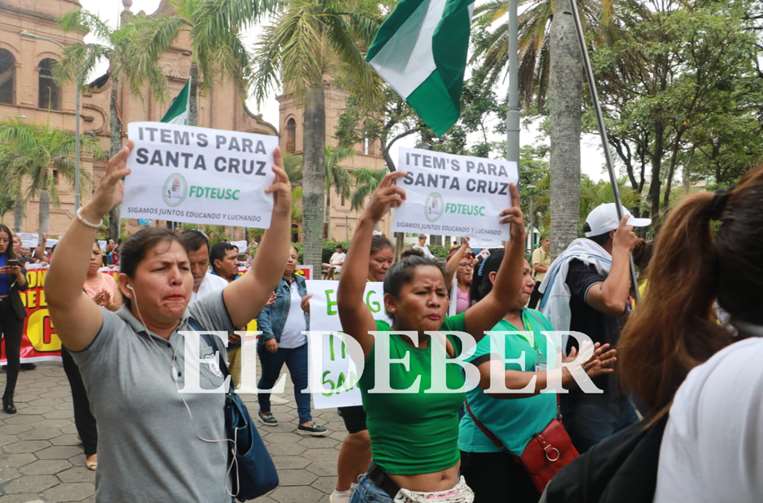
x: 156, y: 444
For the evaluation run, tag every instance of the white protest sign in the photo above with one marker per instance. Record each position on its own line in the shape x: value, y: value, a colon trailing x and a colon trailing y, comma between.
x: 199, y: 175
x: 28, y: 239
x: 484, y: 243
x: 338, y: 372
x: 453, y: 194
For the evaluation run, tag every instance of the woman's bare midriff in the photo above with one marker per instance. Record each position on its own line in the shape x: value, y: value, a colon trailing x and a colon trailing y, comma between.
x: 429, y: 482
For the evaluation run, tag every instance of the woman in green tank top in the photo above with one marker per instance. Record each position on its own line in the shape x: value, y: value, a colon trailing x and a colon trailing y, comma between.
x: 414, y: 434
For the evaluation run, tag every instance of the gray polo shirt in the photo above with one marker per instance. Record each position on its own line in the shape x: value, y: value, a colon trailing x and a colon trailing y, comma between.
x: 149, y: 448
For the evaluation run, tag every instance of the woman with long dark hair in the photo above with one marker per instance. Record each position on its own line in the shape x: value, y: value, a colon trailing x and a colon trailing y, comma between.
x: 12, y: 312
x: 672, y: 356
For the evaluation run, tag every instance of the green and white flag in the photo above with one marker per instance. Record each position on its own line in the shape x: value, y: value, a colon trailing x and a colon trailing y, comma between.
x: 178, y: 111
x: 420, y: 51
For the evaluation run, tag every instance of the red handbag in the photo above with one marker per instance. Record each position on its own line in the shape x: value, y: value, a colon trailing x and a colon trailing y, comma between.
x: 545, y: 454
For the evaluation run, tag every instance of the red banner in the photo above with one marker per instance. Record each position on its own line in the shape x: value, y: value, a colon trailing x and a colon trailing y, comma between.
x: 39, y: 341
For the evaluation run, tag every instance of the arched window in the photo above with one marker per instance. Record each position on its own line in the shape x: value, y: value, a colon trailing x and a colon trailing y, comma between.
x: 291, y: 135
x: 7, y: 76
x: 49, y: 95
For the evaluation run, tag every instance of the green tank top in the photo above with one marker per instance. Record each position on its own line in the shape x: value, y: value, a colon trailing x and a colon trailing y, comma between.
x: 414, y: 433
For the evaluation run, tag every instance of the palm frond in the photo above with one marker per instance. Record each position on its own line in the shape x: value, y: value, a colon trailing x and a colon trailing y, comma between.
x: 491, y: 49
x: 362, y: 78
x: 151, y: 36
x: 267, y: 64
x: 366, y: 181
x: 31, y: 152
x: 222, y: 15
x: 302, y: 48
x: 85, y: 22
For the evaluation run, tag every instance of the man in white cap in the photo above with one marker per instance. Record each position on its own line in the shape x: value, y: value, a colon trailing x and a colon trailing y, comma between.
x: 587, y: 289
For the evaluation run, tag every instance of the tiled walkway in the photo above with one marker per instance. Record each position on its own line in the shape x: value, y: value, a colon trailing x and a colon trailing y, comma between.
x: 41, y: 459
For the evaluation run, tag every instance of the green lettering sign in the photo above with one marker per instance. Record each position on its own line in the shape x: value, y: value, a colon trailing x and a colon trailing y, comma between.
x: 330, y: 303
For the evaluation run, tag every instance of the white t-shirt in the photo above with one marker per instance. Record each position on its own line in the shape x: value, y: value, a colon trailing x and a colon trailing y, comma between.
x: 292, y: 336
x: 712, y: 449
x: 337, y: 259
x: 210, y: 283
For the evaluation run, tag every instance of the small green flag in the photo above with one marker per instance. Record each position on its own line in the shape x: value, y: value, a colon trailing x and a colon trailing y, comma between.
x: 178, y: 111
x: 420, y: 51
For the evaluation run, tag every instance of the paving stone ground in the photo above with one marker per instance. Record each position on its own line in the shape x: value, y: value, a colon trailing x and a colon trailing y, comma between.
x: 41, y: 459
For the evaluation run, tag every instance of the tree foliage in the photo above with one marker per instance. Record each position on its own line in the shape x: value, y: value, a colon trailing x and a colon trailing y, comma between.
x: 41, y: 156
x: 214, y: 29
x: 491, y: 51
x: 390, y: 120
x: 308, y: 43
x: 681, y: 93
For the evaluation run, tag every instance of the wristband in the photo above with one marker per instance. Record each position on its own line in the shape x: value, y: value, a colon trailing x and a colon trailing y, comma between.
x: 86, y: 222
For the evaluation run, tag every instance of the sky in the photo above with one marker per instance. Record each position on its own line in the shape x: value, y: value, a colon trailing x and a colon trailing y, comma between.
x: 592, y: 157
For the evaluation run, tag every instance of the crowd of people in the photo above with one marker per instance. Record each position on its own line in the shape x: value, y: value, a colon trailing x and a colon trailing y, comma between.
x: 670, y: 362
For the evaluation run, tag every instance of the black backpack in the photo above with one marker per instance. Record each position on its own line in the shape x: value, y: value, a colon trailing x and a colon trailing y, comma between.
x: 620, y: 469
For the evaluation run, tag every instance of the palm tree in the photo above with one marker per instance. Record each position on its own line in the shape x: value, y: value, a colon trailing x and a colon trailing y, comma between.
x: 565, y: 107
x: 550, y: 67
x: 307, y: 40
x: 292, y: 164
x: 366, y: 181
x: 80, y: 58
x: 491, y: 51
x: 43, y: 156
x: 10, y: 191
x: 337, y: 177
x: 214, y: 28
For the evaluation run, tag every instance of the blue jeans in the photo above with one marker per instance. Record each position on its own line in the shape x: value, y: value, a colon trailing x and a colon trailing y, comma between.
x: 589, y: 419
x: 367, y: 492
x: 296, y: 361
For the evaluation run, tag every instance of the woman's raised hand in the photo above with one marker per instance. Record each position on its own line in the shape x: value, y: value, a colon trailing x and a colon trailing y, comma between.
x: 513, y: 215
x: 387, y: 195
x: 110, y: 190
x: 281, y: 187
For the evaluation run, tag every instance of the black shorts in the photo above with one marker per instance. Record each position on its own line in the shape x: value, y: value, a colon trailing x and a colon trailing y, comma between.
x: 354, y: 418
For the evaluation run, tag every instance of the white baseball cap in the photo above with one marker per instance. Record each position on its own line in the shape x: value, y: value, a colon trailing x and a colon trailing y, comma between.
x: 603, y: 219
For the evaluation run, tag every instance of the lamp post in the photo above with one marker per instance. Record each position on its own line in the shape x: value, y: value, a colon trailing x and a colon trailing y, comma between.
x: 77, y: 112
x: 514, y: 110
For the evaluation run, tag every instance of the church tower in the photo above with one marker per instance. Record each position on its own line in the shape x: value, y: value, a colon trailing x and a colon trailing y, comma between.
x: 341, y: 219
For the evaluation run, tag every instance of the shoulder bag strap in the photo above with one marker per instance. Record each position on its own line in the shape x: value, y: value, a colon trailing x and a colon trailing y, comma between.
x: 484, y: 429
